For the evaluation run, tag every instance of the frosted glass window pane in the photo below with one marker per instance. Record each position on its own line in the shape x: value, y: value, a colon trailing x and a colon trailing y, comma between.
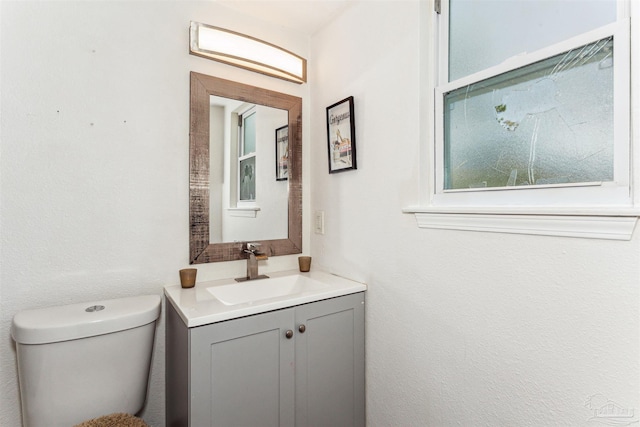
x: 249, y: 140
x: 483, y: 33
x: 550, y: 122
x: 248, y: 179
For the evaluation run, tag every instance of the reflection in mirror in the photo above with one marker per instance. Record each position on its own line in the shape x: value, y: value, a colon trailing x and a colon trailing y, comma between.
x: 247, y: 201
x: 237, y: 193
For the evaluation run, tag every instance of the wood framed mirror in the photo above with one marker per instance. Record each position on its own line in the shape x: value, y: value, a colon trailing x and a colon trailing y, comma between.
x: 202, y: 250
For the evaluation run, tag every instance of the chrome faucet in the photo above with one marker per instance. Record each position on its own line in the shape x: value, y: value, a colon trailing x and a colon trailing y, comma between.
x: 253, y: 256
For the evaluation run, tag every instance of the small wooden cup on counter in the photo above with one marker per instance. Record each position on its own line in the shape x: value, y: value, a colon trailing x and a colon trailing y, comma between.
x: 304, y: 262
x: 188, y: 277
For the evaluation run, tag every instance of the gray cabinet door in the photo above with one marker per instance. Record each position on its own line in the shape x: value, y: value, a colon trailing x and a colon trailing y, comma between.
x: 330, y: 363
x: 242, y: 372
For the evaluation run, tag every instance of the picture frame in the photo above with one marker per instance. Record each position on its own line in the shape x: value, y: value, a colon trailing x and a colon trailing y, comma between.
x: 282, y: 153
x: 341, y: 136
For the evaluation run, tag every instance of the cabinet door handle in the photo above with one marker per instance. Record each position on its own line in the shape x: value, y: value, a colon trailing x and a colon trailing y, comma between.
x: 289, y: 334
x: 302, y: 328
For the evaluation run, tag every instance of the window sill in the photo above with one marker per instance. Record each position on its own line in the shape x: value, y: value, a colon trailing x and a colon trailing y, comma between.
x: 596, y: 223
x: 251, y: 212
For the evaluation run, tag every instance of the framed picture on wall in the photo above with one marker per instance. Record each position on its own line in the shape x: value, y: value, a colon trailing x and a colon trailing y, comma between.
x: 341, y: 136
x: 282, y: 153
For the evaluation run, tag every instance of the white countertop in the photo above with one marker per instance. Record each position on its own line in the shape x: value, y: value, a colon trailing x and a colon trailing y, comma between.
x: 197, y: 306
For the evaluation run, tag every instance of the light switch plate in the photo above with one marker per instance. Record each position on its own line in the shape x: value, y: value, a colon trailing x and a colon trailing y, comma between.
x: 318, y: 223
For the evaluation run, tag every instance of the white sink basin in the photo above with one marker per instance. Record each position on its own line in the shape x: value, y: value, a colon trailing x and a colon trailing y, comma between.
x: 259, y: 290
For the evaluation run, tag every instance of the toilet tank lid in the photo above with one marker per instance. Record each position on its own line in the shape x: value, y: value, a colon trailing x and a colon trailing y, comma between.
x: 74, y: 321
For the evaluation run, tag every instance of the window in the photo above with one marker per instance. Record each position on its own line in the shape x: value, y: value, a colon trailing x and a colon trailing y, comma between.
x: 484, y: 33
x: 247, y: 156
x: 532, y: 113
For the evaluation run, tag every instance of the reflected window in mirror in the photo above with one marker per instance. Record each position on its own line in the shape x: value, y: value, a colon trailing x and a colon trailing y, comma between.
x: 247, y: 156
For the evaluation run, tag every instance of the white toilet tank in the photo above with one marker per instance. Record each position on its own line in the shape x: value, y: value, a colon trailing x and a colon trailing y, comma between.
x: 82, y: 361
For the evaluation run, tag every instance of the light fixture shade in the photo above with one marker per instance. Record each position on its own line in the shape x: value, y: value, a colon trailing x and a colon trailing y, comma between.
x: 246, y: 52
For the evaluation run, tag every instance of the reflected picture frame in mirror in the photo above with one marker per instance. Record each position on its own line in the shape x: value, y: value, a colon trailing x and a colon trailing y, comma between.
x: 201, y: 250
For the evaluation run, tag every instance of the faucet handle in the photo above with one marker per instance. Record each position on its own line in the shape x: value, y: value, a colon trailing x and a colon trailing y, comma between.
x: 253, y: 247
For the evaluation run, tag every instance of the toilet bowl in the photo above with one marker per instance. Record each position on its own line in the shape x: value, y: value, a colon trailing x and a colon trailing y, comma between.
x: 82, y: 361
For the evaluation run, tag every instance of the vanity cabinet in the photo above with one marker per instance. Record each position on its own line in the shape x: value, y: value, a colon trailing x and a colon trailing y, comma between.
x: 298, y: 366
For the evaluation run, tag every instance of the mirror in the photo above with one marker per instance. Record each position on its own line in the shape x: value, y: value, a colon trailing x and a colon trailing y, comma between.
x: 248, y: 189
x: 206, y: 90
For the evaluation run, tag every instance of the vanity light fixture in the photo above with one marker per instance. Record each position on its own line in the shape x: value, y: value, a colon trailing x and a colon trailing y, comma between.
x: 247, y: 52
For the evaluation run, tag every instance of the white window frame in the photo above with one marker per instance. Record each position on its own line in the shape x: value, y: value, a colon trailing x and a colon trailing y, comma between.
x: 597, y: 210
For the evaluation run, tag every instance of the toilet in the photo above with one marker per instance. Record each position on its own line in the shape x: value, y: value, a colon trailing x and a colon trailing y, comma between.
x: 82, y: 361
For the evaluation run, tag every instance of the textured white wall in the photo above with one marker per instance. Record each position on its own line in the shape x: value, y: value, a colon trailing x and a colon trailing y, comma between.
x: 94, y: 166
x: 463, y: 328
